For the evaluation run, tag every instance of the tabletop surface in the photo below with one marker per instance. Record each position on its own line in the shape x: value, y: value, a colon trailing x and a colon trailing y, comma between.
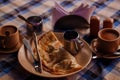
x: 98, y: 69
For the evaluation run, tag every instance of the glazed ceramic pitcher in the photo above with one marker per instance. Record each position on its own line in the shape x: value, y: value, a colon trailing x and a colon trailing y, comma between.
x: 9, y: 36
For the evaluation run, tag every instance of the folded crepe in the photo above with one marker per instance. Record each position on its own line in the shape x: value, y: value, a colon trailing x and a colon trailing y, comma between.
x: 55, y: 58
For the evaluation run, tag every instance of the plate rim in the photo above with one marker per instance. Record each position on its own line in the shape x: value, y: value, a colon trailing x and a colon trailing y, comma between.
x: 54, y: 76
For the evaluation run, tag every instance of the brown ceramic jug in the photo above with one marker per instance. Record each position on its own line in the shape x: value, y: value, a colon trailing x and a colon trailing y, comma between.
x: 9, y: 37
x: 72, y: 42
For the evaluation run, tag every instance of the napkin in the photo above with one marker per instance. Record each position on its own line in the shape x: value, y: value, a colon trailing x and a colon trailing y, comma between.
x: 84, y: 10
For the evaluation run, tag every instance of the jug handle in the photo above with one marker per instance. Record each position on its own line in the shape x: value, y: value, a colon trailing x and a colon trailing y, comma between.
x: 2, y: 38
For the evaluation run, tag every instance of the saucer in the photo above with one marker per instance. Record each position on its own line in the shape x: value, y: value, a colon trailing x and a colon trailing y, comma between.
x: 16, y: 48
x: 107, y: 56
x: 83, y: 58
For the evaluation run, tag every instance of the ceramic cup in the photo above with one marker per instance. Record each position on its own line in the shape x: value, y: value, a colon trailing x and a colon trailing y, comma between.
x: 9, y: 37
x: 72, y: 42
x: 107, y: 42
x: 36, y: 24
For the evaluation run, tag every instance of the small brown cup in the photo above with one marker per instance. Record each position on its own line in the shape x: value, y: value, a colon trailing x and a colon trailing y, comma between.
x: 9, y: 37
x: 107, y: 42
x: 35, y: 25
x: 72, y: 43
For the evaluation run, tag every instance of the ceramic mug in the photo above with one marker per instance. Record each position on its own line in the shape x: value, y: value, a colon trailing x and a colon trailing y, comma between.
x: 36, y: 24
x: 9, y: 37
x: 72, y: 42
x: 107, y: 42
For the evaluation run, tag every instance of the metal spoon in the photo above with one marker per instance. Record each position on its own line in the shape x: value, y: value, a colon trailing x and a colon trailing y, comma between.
x: 24, y: 19
x: 117, y: 53
x: 37, y: 51
x: 36, y: 62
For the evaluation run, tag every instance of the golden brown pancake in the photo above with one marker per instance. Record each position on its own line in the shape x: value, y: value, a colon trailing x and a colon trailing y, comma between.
x: 54, y: 57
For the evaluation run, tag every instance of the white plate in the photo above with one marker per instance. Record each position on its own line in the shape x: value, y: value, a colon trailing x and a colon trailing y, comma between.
x: 84, y: 57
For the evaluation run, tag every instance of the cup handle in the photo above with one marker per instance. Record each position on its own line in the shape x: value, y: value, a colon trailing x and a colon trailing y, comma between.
x: 3, y: 43
x: 93, y: 45
x: 76, y: 45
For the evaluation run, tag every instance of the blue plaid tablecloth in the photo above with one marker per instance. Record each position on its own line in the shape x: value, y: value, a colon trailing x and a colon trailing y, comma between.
x: 98, y: 69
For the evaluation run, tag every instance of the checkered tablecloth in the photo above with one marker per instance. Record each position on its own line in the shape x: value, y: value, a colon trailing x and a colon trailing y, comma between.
x: 98, y: 69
